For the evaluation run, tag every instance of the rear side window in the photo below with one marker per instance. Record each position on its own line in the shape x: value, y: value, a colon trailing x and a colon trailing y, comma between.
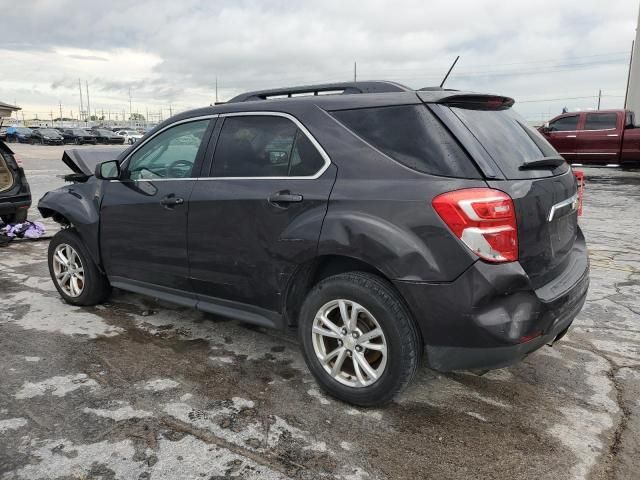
x: 411, y: 135
x: 601, y: 121
x: 509, y: 141
x: 565, y: 124
x: 264, y: 146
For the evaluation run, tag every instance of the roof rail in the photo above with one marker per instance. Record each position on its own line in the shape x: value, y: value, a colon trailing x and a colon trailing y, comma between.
x: 374, y: 86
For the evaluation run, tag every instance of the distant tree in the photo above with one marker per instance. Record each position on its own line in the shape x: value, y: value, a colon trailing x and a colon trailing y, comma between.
x: 137, y: 117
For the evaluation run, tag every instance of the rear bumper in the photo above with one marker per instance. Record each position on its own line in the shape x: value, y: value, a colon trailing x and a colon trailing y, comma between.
x: 491, y: 317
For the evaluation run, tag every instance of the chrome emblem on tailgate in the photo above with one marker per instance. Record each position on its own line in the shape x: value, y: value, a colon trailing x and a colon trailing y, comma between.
x: 571, y: 201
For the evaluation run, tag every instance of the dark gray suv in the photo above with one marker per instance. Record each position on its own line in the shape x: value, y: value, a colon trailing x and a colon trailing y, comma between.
x: 381, y: 222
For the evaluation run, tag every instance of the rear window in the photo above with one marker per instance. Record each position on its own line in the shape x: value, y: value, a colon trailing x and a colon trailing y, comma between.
x: 509, y: 141
x: 601, y: 121
x: 413, y: 136
x: 6, y: 177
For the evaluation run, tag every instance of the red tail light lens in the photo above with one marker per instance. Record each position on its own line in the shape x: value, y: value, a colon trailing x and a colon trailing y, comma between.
x: 484, y: 219
x: 18, y: 160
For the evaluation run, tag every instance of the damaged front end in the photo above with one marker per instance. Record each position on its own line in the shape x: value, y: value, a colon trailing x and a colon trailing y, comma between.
x: 78, y: 205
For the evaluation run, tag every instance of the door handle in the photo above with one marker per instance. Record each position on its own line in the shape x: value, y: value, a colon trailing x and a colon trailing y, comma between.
x: 285, y: 197
x: 171, y: 201
x: 571, y: 136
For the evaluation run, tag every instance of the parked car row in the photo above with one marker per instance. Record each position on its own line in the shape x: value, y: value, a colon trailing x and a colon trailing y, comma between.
x: 62, y: 136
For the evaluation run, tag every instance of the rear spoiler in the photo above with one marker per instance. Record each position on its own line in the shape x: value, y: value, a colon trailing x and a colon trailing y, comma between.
x: 472, y: 101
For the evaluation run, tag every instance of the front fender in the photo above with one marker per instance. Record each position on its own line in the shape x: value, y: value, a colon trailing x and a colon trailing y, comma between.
x: 79, y: 205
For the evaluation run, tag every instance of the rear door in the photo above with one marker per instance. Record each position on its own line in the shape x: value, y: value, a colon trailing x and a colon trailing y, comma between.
x: 259, y: 213
x: 545, y: 198
x: 599, y: 140
x: 143, y: 216
x: 563, y: 135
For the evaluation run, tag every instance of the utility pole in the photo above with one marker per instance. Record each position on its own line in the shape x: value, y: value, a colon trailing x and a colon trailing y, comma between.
x: 216, y: 89
x: 599, y: 98
x: 88, y: 102
x: 130, y: 110
x: 355, y: 72
x: 632, y: 100
x: 81, y: 104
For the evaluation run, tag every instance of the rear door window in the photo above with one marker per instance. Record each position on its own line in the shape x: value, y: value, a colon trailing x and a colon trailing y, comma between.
x: 510, y: 141
x: 601, y: 121
x: 264, y: 146
x: 565, y: 124
x: 412, y: 136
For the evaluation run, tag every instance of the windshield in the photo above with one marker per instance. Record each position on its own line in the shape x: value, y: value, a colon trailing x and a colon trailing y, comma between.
x: 106, y: 133
x: 509, y: 140
x: 48, y: 131
x: 80, y: 132
x: 23, y: 130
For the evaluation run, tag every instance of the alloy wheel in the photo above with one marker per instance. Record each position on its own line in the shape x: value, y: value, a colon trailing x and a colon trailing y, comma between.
x: 68, y: 270
x: 349, y: 343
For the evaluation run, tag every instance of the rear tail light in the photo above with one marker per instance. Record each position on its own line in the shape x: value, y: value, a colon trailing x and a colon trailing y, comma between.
x: 484, y: 219
x: 18, y: 160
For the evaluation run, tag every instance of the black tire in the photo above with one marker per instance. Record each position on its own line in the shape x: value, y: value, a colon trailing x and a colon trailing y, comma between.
x: 96, y: 287
x: 404, y: 344
x: 77, y: 141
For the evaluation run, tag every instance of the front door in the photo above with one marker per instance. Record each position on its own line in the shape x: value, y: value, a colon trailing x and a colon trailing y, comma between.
x: 599, y: 141
x: 143, y: 216
x: 260, y: 212
x: 563, y: 134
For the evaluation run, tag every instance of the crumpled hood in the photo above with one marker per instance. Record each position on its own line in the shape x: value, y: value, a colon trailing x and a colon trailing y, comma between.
x: 84, y: 160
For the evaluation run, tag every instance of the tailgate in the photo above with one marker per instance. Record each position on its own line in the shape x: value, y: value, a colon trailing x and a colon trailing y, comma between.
x: 547, y: 219
x: 544, y: 193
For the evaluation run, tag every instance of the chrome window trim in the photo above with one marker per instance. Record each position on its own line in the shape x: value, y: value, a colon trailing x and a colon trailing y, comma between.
x: 142, y: 144
x: 303, y: 129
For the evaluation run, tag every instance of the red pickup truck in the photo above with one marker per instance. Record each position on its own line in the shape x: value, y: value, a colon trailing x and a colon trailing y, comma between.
x: 598, y: 137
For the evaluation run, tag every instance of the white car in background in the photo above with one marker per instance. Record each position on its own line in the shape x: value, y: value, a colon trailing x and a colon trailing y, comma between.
x: 130, y: 136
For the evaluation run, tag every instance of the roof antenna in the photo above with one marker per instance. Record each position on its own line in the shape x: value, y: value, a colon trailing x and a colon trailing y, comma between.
x: 449, y: 72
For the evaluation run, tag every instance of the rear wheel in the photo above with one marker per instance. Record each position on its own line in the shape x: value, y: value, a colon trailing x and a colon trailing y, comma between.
x: 74, y: 273
x: 358, y: 339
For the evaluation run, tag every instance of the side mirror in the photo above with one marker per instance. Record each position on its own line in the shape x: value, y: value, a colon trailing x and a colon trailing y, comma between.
x: 108, y: 170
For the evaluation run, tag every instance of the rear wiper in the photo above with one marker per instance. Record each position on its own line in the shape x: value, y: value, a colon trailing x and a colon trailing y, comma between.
x: 544, y: 162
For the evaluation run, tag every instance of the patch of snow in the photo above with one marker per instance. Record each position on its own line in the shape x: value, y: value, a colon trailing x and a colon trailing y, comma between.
x: 58, y: 386
x: 32, y: 359
x: 51, y: 314
x: 12, y: 424
x: 118, y: 414
x: 160, y: 384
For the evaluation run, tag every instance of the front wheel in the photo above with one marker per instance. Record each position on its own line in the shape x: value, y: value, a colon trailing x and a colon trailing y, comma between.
x: 74, y: 273
x: 358, y: 338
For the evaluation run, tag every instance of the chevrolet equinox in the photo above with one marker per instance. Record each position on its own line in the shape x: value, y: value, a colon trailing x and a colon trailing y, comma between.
x: 383, y: 223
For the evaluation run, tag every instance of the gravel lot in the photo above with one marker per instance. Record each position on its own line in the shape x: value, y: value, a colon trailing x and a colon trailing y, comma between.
x: 140, y: 389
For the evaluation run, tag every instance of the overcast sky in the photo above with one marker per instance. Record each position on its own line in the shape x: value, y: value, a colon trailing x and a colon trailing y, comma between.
x: 169, y: 53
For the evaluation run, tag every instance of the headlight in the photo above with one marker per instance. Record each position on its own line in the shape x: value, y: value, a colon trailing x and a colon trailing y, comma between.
x: 47, y: 138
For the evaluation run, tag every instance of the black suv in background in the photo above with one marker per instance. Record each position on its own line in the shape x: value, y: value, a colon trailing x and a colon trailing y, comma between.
x: 15, y: 196
x: 79, y: 136
x: 107, y: 137
x: 47, y: 136
x: 380, y: 221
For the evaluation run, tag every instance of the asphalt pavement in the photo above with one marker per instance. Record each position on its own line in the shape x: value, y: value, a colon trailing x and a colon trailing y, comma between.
x: 137, y: 389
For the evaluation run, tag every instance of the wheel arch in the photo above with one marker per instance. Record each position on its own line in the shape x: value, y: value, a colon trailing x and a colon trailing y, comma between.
x: 76, y: 207
x: 314, y: 271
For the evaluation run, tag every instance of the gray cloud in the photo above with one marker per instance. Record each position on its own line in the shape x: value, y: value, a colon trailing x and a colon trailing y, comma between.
x: 542, y: 49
